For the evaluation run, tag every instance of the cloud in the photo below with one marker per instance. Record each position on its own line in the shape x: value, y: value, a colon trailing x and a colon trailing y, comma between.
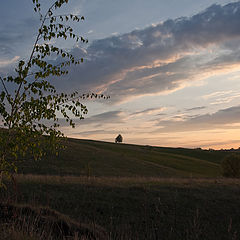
x: 5, y: 62
x: 103, y: 118
x: 159, y: 59
x: 93, y: 133
x: 195, y: 108
x: 154, y: 60
x: 225, y: 118
x: 216, y: 94
x: 221, y: 97
x: 16, y: 37
x: 226, y: 99
x: 149, y: 111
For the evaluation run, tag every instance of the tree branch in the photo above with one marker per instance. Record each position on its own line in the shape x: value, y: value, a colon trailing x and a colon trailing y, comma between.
x: 4, y: 86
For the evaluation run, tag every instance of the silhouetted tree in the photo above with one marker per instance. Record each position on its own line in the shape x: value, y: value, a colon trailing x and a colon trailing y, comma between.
x: 119, y: 138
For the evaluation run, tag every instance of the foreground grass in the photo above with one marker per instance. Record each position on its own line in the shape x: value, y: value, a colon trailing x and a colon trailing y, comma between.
x: 140, y: 208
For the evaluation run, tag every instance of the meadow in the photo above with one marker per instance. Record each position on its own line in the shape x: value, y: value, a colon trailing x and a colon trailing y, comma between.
x: 95, y: 158
x: 123, y: 191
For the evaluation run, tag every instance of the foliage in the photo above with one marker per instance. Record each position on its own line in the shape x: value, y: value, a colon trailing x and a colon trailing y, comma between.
x: 119, y: 139
x: 231, y: 166
x: 30, y: 106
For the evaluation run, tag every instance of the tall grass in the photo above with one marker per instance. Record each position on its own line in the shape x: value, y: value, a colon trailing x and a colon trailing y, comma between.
x: 123, y: 181
x: 27, y: 222
x: 135, y: 208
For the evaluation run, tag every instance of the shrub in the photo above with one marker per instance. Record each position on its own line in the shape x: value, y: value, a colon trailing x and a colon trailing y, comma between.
x: 231, y: 166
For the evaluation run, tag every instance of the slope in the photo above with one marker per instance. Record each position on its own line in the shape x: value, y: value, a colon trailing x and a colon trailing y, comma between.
x: 96, y: 158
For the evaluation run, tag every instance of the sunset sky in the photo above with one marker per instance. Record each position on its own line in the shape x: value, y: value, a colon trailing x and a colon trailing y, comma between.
x: 171, y: 68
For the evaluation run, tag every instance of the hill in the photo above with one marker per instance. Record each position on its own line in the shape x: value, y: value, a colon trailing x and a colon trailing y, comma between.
x: 137, y: 192
x: 96, y: 158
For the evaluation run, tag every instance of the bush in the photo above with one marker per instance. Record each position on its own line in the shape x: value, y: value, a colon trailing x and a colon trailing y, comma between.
x: 231, y: 166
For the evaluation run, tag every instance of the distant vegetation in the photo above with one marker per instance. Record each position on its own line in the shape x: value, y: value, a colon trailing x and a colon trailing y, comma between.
x: 231, y: 166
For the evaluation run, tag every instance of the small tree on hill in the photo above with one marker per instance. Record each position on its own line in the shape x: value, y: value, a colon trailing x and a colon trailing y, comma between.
x: 119, y: 139
x: 30, y: 106
x: 230, y: 166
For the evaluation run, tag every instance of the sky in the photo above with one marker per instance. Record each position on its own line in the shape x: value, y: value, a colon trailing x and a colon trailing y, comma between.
x: 170, y: 67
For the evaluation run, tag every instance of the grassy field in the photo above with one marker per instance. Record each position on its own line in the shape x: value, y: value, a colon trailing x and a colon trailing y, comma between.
x: 95, y: 158
x: 140, y: 208
x: 134, y: 192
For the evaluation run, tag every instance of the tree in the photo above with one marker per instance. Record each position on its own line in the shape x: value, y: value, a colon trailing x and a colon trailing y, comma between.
x: 30, y: 106
x: 119, y: 139
x: 230, y: 166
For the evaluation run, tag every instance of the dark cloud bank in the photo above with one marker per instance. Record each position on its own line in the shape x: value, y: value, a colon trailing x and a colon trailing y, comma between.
x: 155, y: 59
x: 222, y: 119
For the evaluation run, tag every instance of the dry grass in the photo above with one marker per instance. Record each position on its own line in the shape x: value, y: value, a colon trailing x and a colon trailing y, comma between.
x: 139, y: 208
x: 27, y: 222
x: 124, y: 181
x: 10, y: 232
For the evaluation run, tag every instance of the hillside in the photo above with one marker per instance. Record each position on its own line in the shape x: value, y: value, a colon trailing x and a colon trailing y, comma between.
x: 139, y: 192
x: 96, y: 158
